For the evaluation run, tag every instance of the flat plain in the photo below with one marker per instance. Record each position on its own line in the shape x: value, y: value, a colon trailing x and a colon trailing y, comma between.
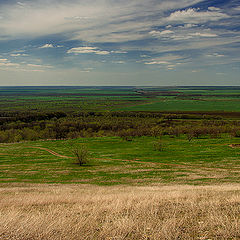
x: 162, y: 163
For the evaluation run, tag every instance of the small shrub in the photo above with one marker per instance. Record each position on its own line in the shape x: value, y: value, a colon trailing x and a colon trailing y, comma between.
x: 197, y: 132
x: 190, y: 136
x: 127, y: 138
x: 214, y: 132
x: 126, y: 135
x: 82, y: 155
x: 156, y: 131
x: 158, y: 146
x: 235, y: 132
x: 73, y: 135
x: 174, y: 132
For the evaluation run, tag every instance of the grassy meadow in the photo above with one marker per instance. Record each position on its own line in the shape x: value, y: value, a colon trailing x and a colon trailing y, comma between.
x: 113, y: 160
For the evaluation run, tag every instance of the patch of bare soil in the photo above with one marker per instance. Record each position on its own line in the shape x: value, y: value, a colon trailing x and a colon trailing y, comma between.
x: 234, y: 145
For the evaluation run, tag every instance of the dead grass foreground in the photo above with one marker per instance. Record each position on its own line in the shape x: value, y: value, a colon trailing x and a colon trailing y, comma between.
x: 91, y: 212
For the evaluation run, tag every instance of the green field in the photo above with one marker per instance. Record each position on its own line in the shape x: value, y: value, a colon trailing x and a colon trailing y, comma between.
x: 203, y: 104
x: 74, y: 99
x: 115, y: 161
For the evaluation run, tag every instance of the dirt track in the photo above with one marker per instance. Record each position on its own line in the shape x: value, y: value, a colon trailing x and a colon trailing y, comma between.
x: 52, y: 152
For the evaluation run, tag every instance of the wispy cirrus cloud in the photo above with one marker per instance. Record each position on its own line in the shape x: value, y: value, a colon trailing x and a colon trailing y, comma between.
x: 118, y: 21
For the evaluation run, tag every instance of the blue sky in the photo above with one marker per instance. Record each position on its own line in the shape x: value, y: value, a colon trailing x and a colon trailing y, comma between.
x: 107, y: 42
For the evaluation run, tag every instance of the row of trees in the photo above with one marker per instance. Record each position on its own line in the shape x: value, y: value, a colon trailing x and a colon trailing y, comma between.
x: 125, y: 124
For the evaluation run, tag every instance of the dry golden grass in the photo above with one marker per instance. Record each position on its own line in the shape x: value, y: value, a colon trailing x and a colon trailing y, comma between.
x: 90, y: 212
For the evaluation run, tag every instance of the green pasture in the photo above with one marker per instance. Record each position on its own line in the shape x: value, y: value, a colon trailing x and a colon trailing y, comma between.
x: 63, y: 90
x: 69, y: 99
x: 115, y: 161
x: 172, y: 104
x: 209, y: 92
x: 65, y: 103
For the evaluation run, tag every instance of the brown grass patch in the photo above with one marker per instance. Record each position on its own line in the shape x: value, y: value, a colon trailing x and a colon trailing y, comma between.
x: 89, y: 212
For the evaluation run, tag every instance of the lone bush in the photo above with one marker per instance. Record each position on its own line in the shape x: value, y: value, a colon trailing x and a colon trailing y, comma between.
x: 82, y: 154
x: 190, y: 136
x: 235, y: 132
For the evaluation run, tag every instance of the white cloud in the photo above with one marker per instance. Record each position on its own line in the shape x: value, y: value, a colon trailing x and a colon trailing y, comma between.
x: 21, y: 4
x: 215, y: 55
x: 23, y: 67
x: 15, y: 54
x: 198, y: 34
x: 8, y: 64
x: 195, y: 16
x: 118, y: 62
x: 189, y: 25
x: 102, y: 52
x: 38, y: 66
x: 161, y: 33
x: 3, y: 60
x: 181, y: 37
x: 183, y: 34
x: 214, y: 9
x: 144, y: 56
x: 169, y: 61
x: 156, y: 62
x: 47, y: 45
x: 237, y: 8
x: 80, y: 50
x: 31, y: 70
x: 120, y: 52
x: 18, y: 55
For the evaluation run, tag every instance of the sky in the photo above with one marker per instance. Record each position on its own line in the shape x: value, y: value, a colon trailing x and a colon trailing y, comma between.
x: 119, y: 42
